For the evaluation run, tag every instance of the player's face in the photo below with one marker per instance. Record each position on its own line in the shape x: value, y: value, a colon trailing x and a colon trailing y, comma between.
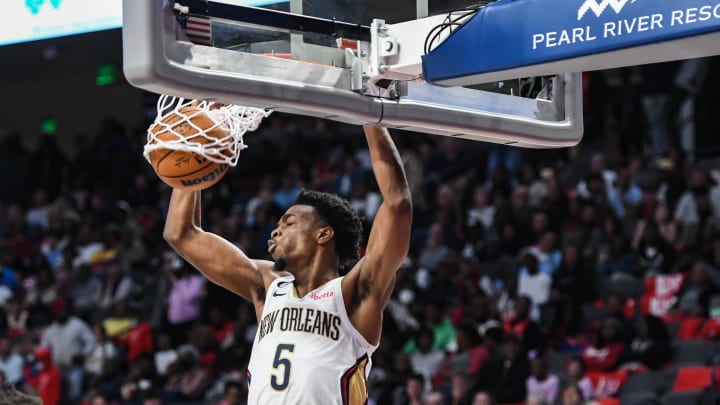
x: 294, y: 236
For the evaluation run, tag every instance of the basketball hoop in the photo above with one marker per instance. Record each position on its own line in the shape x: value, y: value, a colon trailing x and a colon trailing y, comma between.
x: 176, y: 114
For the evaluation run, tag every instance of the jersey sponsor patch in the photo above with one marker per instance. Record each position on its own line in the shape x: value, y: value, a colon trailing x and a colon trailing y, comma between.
x: 326, y: 294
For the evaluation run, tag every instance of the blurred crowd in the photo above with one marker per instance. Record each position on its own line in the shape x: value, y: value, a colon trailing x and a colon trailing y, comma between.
x: 605, y: 254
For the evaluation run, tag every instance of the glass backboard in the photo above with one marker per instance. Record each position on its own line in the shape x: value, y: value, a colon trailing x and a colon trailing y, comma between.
x: 286, y: 56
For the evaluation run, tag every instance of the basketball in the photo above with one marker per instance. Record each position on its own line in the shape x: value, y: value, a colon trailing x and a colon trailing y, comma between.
x: 181, y: 169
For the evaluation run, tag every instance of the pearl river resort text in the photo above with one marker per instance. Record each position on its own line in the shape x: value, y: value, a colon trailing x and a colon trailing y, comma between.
x: 627, y: 26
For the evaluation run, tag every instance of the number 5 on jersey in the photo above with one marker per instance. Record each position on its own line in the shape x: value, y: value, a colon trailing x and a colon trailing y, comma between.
x: 281, y: 383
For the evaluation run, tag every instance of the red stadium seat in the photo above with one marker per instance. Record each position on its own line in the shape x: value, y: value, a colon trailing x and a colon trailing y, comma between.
x: 608, y: 401
x: 691, y: 328
x: 695, y: 378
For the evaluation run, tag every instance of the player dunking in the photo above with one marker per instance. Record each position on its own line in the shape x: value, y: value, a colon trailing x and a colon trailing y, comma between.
x: 316, y: 330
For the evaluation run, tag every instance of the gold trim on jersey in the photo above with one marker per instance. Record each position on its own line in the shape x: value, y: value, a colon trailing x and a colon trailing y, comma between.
x: 353, y: 384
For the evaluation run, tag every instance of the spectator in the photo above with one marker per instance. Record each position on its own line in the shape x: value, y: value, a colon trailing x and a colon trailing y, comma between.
x: 141, y: 380
x: 67, y: 337
x: 656, y: 103
x: 537, y: 399
x: 441, y: 326
x: 104, y: 352
x: 572, y: 395
x: 97, y: 399
x: 235, y: 350
x: 630, y: 194
x: 411, y: 393
x: 506, y: 304
x: 116, y: 284
x: 152, y: 398
x: 119, y: 323
x: 656, y: 256
x: 697, y: 205
x: 16, y: 318
x: 620, y: 262
x: 11, y: 363
x: 426, y: 361
x: 435, y: 398
x: 469, y: 359
x: 86, y: 291
x: 184, y: 301
x: 482, y: 213
x: 601, y: 198
x: 524, y: 327
x: 233, y: 394
x: 37, y: 216
x: 574, y: 279
x: 435, y: 251
x: 483, y: 398
x: 597, y: 167
x: 460, y: 393
x: 74, y: 380
x: 396, y: 378
x: 576, y: 375
x: 541, y: 381
x: 522, y: 210
x: 165, y: 355
x: 605, y: 351
x: 568, y: 328
x: 43, y: 291
x: 534, y: 284
x: 8, y: 278
x: 365, y: 202
x: 667, y: 227
x: 42, y: 375
x: 652, y: 347
x: 547, y: 254
x: 505, y: 376
x: 697, y: 285
x: 288, y: 192
x: 614, y: 307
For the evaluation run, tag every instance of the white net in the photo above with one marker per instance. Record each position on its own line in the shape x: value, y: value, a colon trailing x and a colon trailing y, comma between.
x: 212, y: 130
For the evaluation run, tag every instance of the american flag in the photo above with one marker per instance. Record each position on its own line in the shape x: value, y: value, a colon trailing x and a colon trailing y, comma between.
x: 198, y: 29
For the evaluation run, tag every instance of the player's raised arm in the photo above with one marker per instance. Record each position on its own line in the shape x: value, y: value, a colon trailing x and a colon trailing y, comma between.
x: 219, y: 260
x: 389, y: 239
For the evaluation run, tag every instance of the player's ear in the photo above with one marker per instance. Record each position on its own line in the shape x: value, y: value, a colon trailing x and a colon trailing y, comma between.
x: 325, y: 234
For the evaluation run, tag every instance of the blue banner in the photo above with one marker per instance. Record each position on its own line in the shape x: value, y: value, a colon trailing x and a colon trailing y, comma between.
x: 516, y: 33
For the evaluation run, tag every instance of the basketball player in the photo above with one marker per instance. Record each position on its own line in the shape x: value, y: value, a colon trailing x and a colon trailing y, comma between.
x: 316, y: 330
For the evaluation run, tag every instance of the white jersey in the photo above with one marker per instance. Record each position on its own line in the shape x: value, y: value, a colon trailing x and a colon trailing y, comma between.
x: 306, y: 350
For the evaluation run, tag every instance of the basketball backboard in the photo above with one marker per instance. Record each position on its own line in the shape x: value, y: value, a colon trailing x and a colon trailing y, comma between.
x: 330, y: 58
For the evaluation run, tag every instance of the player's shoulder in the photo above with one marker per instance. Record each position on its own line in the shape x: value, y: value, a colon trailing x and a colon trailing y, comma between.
x: 267, y: 271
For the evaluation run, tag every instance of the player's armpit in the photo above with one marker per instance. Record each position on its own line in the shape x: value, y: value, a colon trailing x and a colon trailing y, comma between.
x: 387, y: 247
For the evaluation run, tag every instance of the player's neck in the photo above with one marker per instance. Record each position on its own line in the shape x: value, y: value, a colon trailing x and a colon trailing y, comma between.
x: 314, y: 273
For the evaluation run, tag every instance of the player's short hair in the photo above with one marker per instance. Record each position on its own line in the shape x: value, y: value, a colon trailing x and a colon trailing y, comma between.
x: 11, y: 396
x: 338, y: 214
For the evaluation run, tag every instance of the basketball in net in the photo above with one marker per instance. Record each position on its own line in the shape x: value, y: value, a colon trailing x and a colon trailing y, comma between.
x: 191, y: 145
